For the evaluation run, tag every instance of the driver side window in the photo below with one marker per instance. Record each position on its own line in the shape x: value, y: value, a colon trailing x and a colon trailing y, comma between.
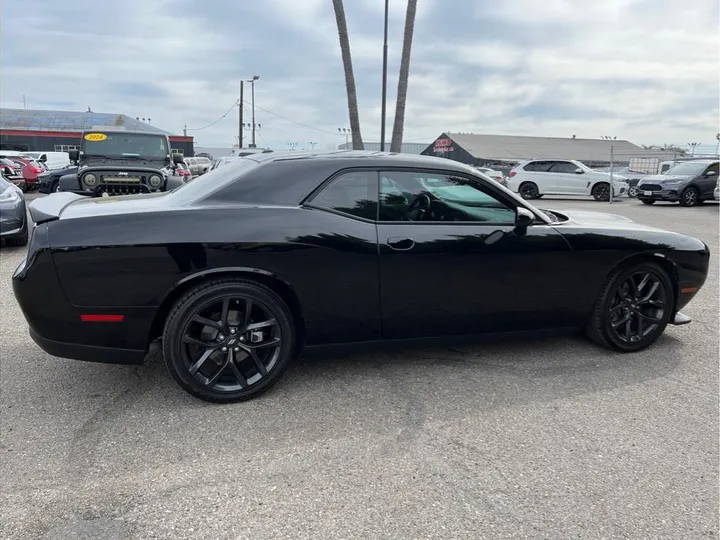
x: 428, y: 197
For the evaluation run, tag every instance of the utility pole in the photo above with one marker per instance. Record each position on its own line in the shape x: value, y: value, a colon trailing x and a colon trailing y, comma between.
x: 24, y: 102
x: 240, y: 123
x: 252, y: 87
x: 384, y: 80
x: 185, y: 130
x: 312, y: 145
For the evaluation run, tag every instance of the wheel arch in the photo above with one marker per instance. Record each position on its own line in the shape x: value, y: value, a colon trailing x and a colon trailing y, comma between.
x: 272, y: 281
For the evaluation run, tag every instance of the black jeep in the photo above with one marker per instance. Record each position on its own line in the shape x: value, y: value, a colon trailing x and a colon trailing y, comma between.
x: 114, y: 162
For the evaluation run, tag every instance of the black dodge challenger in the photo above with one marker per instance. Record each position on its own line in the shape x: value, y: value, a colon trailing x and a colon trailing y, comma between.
x: 237, y: 271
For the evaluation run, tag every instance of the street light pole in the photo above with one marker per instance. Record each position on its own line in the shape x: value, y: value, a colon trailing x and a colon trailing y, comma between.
x: 345, y: 131
x: 252, y: 85
x: 240, y: 123
x: 384, y: 80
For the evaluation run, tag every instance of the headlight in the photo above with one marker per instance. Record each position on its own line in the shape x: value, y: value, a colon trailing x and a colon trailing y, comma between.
x: 155, y: 181
x: 11, y: 194
x: 90, y: 180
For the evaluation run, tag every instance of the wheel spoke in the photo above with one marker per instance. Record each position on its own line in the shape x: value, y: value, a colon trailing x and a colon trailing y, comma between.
x: 628, y: 328
x: 197, y: 365
x: 206, y: 321
x: 248, y: 314
x: 655, y: 303
x: 263, y: 324
x: 197, y: 342
x: 617, y: 308
x: 258, y: 362
x: 654, y: 320
x: 239, y: 377
x: 639, y: 321
x: 650, y: 294
x: 224, y: 312
x: 643, y: 282
x: 622, y: 321
x: 216, y: 375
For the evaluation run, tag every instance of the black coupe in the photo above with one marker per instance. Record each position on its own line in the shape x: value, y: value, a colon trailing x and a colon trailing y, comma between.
x: 238, y: 271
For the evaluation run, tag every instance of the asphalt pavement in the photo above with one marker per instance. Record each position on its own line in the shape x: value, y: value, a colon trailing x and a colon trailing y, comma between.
x: 551, y: 438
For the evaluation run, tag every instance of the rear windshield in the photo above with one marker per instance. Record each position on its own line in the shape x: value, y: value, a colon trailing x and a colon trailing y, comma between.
x: 211, y: 181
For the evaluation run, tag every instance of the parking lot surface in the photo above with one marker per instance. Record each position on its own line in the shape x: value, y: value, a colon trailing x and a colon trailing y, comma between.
x: 551, y: 438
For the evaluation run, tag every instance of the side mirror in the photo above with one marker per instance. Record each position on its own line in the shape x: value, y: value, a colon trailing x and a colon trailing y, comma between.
x: 523, y: 219
x: 579, y: 171
x: 177, y: 158
x: 711, y: 173
x: 43, y: 159
x: 74, y: 155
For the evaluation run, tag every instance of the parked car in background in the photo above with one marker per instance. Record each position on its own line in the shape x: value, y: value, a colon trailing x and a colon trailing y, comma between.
x: 492, y: 173
x: 204, y: 164
x: 182, y: 170
x: 48, y: 180
x: 236, y: 272
x: 13, y: 215
x: 30, y: 171
x: 51, y: 160
x: 220, y: 162
x: 716, y: 192
x: 631, y: 177
x: 688, y: 183
x: 535, y: 178
x: 12, y: 172
x: 192, y: 165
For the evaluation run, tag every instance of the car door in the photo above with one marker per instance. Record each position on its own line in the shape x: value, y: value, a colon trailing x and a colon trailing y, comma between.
x: 707, y: 181
x: 567, y: 180
x: 459, y: 266
x: 539, y: 174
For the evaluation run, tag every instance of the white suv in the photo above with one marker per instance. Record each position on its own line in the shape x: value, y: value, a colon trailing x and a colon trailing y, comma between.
x: 538, y: 177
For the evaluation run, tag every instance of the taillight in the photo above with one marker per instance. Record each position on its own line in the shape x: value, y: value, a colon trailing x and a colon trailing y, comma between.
x: 512, y: 173
x: 498, y: 178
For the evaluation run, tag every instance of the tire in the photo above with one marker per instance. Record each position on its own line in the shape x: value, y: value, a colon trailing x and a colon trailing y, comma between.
x: 614, y: 315
x: 690, y: 197
x: 632, y: 191
x: 601, y: 191
x: 647, y: 201
x: 237, y: 373
x: 528, y: 190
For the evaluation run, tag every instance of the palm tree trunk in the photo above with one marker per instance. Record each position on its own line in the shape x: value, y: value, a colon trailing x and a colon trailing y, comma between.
x: 397, y: 135
x: 357, y: 141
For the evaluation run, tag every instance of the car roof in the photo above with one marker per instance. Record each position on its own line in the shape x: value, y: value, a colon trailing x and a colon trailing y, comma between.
x: 363, y: 158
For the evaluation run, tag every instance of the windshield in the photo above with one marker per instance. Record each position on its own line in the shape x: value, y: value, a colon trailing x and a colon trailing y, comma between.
x: 688, y: 168
x: 125, y: 145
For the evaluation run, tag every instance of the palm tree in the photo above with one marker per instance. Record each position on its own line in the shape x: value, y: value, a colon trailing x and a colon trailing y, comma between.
x: 397, y: 135
x: 357, y: 141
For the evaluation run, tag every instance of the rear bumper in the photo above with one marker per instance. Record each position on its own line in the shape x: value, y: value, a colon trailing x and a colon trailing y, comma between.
x: 88, y: 353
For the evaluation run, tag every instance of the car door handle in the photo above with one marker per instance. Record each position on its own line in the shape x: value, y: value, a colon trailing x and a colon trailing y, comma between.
x: 400, y: 243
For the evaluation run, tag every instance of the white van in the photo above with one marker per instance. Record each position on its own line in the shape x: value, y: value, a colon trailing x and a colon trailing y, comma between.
x: 51, y: 160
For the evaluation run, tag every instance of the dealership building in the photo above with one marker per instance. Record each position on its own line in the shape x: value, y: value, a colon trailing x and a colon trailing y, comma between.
x: 60, y: 131
x: 502, y: 151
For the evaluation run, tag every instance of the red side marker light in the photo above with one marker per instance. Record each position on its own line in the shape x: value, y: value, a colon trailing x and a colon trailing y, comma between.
x: 87, y: 317
x: 689, y: 290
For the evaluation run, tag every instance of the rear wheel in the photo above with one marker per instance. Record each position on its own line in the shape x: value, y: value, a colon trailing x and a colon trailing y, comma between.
x: 528, y: 190
x: 601, y: 191
x: 228, y: 340
x: 632, y: 191
x: 634, y: 308
x: 690, y: 197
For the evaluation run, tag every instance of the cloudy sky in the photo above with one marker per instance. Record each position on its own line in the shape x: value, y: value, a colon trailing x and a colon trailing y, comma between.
x: 643, y: 70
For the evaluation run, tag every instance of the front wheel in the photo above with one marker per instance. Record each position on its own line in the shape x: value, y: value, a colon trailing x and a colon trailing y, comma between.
x: 647, y: 201
x: 634, y: 308
x: 601, y: 192
x: 690, y: 197
x: 228, y: 340
x: 633, y: 191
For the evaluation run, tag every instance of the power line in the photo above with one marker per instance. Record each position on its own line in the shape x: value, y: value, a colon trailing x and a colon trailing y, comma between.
x: 295, y: 121
x: 216, y: 121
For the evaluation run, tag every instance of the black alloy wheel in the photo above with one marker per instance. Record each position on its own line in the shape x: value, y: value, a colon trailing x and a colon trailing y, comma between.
x: 228, y: 340
x: 528, y: 190
x: 601, y: 192
x: 634, y: 308
x: 690, y: 197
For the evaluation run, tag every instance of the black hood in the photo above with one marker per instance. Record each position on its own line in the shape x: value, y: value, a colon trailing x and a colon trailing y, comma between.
x: 91, y: 161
